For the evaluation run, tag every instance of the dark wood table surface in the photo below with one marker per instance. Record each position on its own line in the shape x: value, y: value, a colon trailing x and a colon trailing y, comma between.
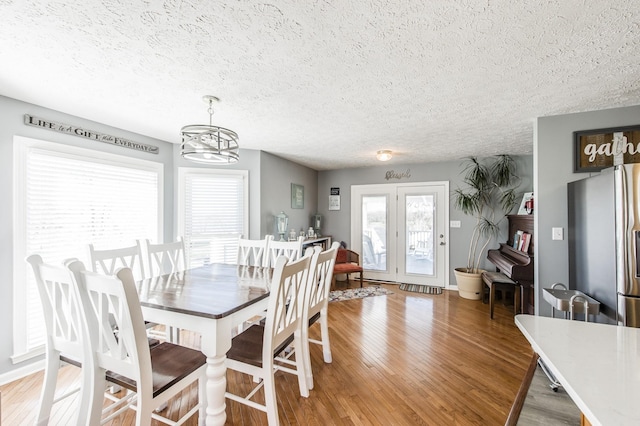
x: 215, y: 290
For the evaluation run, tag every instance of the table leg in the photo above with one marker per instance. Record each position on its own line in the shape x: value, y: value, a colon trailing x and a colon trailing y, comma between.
x: 216, y: 387
x: 215, y: 344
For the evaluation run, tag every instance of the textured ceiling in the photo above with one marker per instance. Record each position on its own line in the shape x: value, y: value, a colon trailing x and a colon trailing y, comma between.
x: 327, y: 83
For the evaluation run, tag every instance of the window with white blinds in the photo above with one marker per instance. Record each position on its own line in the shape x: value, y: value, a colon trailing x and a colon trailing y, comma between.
x: 212, y: 213
x: 66, y: 198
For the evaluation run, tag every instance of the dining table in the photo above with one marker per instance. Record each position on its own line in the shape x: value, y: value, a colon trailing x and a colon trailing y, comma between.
x: 211, y: 300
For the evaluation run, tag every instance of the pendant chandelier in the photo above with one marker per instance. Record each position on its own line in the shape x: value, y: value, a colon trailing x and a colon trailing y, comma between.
x: 208, y: 143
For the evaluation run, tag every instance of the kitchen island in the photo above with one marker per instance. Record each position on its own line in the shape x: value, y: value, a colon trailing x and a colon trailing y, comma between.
x: 597, y: 364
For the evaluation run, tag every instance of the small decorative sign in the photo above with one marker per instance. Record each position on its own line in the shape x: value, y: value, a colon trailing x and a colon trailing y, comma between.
x: 297, y: 196
x: 392, y: 174
x: 335, y: 191
x: 601, y: 148
x: 334, y: 202
x: 30, y: 120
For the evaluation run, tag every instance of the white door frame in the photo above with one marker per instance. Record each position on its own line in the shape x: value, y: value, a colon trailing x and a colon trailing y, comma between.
x: 393, y: 263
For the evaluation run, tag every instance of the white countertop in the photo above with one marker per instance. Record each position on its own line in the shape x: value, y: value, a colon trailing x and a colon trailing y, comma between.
x: 597, y: 364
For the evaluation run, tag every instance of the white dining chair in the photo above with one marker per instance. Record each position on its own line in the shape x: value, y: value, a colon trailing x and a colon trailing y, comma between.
x: 254, y: 350
x: 316, y: 305
x: 107, y: 261
x: 165, y: 258
x: 64, y: 340
x: 155, y: 374
x: 291, y: 249
x: 66, y: 337
x: 252, y: 252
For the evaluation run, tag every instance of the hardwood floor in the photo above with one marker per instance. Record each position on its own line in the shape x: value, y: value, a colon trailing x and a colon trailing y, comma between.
x: 401, y: 359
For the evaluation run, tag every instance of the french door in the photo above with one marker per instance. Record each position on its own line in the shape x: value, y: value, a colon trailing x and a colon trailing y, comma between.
x: 400, y: 231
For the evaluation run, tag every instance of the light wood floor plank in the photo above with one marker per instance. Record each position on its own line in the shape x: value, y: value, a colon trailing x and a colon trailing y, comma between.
x: 401, y: 359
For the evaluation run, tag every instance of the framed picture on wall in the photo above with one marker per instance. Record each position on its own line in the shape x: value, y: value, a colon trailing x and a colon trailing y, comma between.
x: 297, y: 196
x: 334, y: 202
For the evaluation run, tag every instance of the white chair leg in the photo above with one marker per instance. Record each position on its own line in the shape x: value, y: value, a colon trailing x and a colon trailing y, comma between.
x: 324, y: 332
x: 143, y: 414
x: 305, y: 354
x: 48, y: 389
x: 202, y: 396
x: 270, y: 400
x: 301, y: 364
x: 95, y: 397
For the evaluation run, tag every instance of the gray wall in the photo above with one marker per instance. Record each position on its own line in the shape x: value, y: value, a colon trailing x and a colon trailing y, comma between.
x: 275, y: 193
x: 337, y: 223
x: 553, y: 162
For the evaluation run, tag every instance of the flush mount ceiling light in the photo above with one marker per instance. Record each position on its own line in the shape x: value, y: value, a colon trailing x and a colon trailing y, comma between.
x: 384, y: 155
x: 208, y: 143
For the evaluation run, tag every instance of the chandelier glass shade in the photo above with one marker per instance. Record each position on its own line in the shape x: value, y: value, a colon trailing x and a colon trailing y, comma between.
x: 384, y: 155
x: 208, y: 143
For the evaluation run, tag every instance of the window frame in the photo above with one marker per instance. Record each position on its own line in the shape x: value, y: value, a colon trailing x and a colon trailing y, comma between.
x: 22, y: 146
x: 184, y: 172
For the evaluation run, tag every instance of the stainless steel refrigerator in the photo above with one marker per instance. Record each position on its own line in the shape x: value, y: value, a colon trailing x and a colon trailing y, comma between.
x: 604, y: 241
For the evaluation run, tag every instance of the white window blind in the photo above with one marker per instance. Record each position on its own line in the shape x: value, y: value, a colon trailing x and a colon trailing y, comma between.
x: 67, y: 198
x: 213, y: 213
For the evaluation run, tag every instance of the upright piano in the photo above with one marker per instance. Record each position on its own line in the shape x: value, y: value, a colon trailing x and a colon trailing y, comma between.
x: 516, y: 264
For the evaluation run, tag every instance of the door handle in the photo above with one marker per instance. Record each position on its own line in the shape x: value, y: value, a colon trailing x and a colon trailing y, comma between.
x: 442, y: 243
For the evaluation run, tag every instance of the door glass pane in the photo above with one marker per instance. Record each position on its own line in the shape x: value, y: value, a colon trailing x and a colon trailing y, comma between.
x: 374, y: 232
x: 419, y: 248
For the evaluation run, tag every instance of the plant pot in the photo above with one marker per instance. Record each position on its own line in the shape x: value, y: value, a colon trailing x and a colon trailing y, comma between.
x: 469, y: 284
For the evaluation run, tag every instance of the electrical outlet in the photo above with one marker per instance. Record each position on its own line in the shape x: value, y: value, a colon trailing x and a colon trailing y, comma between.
x: 454, y: 224
x: 557, y: 233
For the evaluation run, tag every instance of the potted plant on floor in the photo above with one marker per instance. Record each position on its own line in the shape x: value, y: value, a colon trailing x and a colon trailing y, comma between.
x: 489, y: 197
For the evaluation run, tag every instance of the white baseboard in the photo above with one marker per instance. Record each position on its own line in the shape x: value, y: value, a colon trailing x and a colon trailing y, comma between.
x: 19, y: 373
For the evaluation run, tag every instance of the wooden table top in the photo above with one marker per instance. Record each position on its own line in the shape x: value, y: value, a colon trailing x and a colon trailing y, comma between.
x: 212, y: 291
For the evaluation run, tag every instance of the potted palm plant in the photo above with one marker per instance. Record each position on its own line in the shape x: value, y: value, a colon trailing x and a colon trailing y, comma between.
x: 489, y: 197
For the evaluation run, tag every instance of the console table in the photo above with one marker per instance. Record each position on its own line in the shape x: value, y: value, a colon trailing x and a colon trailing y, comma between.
x: 324, y: 242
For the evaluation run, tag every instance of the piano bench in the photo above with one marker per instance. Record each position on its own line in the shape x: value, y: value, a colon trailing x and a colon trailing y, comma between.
x: 499, y: 280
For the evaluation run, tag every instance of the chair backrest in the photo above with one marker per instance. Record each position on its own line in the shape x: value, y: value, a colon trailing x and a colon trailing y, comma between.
x: 105, y: 297
x: 60, y: 307
x: 291, y: 249
x: 347, y: 256
x: 286, y: 302
x: 252, y: 252
x: 320, y: 277
x: 165, y: 258
x: 108, y: 261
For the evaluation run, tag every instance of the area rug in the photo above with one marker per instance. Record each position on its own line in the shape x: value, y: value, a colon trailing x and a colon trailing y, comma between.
x: 357, y: 293
x: 417, y: 288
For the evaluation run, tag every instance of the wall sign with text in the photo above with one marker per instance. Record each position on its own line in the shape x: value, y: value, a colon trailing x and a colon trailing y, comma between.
x: 334, y: 199
x: 68, y: 129
x: 601, y: 148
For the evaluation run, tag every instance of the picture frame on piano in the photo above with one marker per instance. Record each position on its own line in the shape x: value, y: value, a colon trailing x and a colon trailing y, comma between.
x: 523, y: 204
